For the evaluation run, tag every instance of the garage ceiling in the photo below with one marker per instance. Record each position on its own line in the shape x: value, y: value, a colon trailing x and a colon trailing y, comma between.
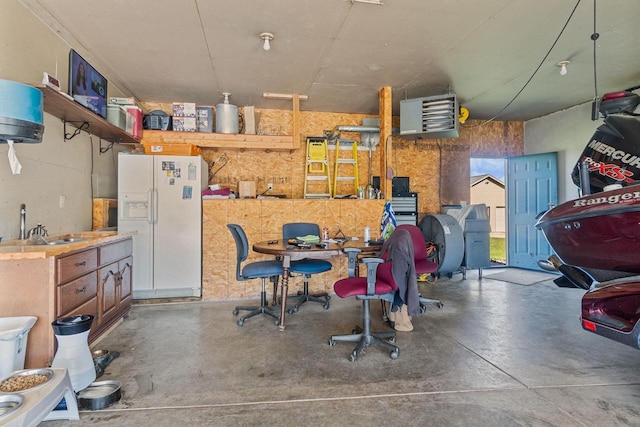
x: 341, y: 52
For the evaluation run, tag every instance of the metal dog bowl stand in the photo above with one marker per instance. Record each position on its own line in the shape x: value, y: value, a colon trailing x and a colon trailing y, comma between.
x: 38, y: 404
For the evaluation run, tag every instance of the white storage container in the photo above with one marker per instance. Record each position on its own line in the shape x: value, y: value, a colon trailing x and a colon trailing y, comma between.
x: 13, y: 342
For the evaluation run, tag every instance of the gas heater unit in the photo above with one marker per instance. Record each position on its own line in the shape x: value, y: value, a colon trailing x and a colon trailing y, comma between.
x: 434, y: 117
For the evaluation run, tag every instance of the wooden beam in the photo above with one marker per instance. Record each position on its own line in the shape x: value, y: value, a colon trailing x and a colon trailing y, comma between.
x: 385, y: 111
x: 296, y: 121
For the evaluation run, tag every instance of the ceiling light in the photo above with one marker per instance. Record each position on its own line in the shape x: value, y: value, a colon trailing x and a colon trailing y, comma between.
x: 563, y: 67
x: 267, y: 37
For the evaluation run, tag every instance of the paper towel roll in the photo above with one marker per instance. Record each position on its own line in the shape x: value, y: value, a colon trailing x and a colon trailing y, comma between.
x: 16, y: 167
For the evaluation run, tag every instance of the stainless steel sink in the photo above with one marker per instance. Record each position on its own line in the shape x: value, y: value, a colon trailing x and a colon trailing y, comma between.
x: 58, y: 241
x: 66, y: 240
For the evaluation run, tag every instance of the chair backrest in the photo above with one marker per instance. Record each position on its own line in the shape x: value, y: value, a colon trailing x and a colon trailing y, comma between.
x: 419, y: 244
x: 295, y: 229
x: 242, y: 247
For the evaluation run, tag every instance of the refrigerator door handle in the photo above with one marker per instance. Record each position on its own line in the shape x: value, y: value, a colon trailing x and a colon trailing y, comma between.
x: 150, y: 206
x: 155, y: 206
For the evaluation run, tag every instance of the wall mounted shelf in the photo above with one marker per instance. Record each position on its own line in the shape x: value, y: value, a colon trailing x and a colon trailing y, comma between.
x: 223, y: 140
x: 69, y: 111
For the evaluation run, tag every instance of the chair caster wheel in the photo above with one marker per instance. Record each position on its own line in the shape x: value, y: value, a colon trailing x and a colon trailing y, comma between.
x: 353, y: 357
x: 423, y: 309
x: 392, y: 340
x: 277, y: 322
x: 235, y: 312
x: 326, y: 305
x: 328, y: 297
x: 240, y: 322
x: 292, y: 310
x: 439, y: 305
x: 331, y: 343
x: 394, y: 354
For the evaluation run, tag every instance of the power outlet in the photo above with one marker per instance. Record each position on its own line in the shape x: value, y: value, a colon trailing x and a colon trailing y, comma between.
x: 63, y: 201
x: 270, y: 186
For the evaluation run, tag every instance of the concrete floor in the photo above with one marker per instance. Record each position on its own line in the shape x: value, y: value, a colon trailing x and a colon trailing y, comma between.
x: 497, y: 354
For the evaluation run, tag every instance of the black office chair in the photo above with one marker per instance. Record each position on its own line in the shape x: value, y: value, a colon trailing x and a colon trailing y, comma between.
x: 307, y: 267
x: 378, y: 284
x: 253, y: 270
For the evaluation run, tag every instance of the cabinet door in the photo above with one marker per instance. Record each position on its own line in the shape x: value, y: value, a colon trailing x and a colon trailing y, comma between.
x: 126, y: 274
x: 107, y: 292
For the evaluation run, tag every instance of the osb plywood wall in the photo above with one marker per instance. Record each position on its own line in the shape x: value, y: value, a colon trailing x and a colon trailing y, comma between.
x: 438, y: 169
x: 263, y: 220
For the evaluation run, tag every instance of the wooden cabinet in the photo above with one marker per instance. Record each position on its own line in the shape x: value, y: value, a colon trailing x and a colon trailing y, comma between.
x: 114, y: 284
x: 77, y: 286
x: 115, y: 290
x: 94, y: 280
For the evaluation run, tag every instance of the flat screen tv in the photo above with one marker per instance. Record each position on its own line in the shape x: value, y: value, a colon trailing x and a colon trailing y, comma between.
x: 86, y: 85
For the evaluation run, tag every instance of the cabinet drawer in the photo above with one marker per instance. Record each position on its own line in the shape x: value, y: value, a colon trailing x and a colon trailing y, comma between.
x: 115, y: 251
x: 75, y: 293
x: 76, y: 265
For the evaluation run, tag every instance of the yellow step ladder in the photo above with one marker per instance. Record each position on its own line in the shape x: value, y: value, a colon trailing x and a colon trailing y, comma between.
x: 346, y: 168
x: 316, y: 170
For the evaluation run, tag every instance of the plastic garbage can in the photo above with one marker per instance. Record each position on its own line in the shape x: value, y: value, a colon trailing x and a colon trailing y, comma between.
x: 14, y: 332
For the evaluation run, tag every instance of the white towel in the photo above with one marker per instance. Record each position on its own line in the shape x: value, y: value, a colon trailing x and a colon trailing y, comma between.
x: 16, y: 167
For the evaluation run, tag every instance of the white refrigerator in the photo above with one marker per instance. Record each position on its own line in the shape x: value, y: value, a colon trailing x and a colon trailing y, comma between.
x: 159, y: 197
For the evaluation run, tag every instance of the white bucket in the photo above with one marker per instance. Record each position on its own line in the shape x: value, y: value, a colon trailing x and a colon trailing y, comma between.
x: 14, y: 332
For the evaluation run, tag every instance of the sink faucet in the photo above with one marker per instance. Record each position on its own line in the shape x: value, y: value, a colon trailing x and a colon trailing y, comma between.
x: 39, y: 230
x: 38, y: 239
x: 23, y: 221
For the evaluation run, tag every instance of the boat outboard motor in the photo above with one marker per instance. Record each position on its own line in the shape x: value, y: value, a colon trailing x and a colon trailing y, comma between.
x: 613, y: 153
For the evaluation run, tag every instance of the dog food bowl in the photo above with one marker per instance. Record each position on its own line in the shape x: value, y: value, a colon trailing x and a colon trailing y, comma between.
x: 99, y: 395
x: 18, y: 382
x: 9, y: 403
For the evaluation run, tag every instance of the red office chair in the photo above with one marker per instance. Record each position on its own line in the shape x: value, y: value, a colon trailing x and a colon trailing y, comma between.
x: 422, y: 264
x: 378, y: 284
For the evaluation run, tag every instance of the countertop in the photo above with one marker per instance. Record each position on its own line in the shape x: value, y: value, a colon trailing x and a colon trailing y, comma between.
x: 20, y: 249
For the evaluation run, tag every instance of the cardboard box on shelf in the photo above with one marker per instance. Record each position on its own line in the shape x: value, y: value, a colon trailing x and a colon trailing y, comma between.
x: 246, y: 189
x: 204, y: 118
x: 184, y: 124
x: 178, y: 149
x: 184, y: 109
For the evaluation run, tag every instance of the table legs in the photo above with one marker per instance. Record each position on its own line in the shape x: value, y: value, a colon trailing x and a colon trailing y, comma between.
x: 286, y: 263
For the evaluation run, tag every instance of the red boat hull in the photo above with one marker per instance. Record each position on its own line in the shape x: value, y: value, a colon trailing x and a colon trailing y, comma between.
x: 612, y: 311
x: 597, y: 231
